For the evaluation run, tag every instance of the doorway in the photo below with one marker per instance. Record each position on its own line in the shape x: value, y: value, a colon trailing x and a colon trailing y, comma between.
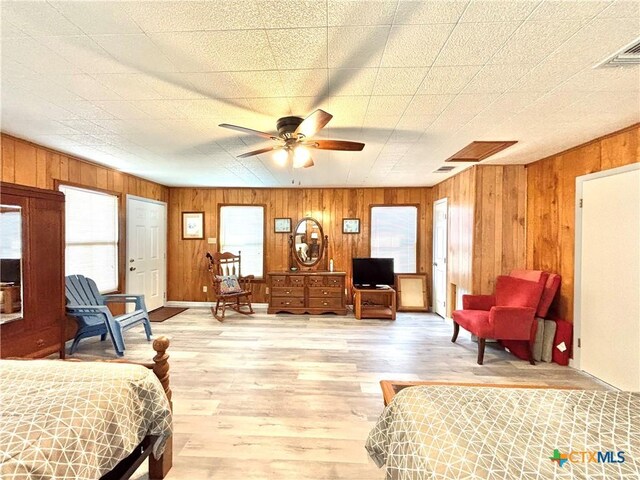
x: 607, y: 273
x: 147, y: 250
x: 440, y: 234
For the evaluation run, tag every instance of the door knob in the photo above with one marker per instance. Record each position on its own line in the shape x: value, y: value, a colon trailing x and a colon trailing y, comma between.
x: 131, y: 269
x: 131, y: 260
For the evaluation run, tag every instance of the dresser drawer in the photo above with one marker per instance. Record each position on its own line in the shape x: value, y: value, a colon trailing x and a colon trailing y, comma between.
x: 287, y: 292
x: 280, y: 302
x: 278, y: 280
x: 31, y: 344
x: 331, y: 292
x: 327, y: 303
x: 296, y: 281
x: 335, y: 281
x: 316, y: 281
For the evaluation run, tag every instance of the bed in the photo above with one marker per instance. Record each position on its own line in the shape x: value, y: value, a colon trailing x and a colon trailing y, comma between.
x: 471, y: 432
x: 84, y: 420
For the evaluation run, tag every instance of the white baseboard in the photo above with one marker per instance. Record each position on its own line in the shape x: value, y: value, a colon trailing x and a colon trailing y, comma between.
x: 189, y: 304
x: 179, y: 304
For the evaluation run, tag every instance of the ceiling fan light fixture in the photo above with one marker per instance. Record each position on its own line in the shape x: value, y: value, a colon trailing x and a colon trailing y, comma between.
x: 281, y: 156
x: 301, y: 156
x: 294, y: 139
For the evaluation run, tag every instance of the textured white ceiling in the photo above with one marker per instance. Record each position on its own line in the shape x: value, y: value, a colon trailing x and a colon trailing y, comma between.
x: 142, y: 86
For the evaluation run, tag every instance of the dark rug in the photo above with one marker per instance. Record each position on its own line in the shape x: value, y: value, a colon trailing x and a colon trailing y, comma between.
x: 162, y: 313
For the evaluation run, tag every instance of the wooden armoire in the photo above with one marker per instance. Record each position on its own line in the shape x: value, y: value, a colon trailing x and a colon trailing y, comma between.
x: 38, y: 327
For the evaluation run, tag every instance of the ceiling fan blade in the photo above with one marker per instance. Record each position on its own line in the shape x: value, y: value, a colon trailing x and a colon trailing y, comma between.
x: 313, y: 123
x: 258, y: 152
x: 248, y: 130
x: 336, y: 145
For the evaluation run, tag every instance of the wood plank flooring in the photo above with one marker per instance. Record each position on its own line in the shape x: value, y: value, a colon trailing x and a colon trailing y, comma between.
x: 294, y: 396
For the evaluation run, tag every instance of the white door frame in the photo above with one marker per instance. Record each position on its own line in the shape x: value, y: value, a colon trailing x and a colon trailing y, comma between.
x: 577, y: 285
x: 166, y: 239
x: 444, y: 200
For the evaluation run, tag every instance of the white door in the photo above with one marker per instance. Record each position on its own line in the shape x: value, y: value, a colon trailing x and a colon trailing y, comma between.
x: 608, y: 277
x: 440, y: 257
x: 147, y: 250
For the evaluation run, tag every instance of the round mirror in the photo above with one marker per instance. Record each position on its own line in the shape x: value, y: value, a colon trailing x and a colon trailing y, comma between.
x: 308, y: 242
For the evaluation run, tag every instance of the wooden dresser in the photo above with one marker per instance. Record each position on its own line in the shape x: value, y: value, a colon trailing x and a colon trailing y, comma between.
x: 39, y: 329
x: 307, y: 292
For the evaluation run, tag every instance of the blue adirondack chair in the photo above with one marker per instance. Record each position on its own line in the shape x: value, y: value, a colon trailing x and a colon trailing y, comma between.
x: 89, y: 308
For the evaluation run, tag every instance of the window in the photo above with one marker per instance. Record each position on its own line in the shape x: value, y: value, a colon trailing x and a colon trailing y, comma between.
x: 91, y: 230
x: 394, y: 233
x: 242, y: 230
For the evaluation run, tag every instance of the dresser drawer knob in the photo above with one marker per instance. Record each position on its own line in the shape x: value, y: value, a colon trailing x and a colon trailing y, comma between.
x: 287, y: 303
x: 325, y: 303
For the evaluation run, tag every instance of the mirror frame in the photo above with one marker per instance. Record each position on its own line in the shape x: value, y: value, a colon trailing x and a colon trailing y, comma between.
x: 293, y: 254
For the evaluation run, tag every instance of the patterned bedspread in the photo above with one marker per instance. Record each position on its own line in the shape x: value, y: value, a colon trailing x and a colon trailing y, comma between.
x: 447, y: 432
x: 72, y: 420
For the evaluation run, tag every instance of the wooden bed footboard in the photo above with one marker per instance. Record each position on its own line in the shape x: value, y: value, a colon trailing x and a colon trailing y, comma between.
x: 158, y: 467
x: 391, y: 387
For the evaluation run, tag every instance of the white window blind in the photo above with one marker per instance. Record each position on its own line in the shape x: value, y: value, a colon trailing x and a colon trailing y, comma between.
x: 394, y: 233
x: 242, y: 230
x: 91, y: 230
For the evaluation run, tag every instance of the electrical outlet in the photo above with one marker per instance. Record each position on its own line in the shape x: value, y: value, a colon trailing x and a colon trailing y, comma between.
x: 211, y: 240
x: 204, y: 289
x: 266, y: 290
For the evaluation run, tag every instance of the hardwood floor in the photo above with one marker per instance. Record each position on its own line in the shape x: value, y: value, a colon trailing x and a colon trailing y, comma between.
x: 294, y: 396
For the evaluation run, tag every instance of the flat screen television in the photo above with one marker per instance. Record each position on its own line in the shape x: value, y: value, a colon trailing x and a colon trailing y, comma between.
x: 371, y: 272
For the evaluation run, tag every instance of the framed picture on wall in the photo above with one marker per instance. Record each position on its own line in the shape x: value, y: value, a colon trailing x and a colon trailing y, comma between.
x: 282, y: 225
x: 350, y: 225
x: 192, y: 225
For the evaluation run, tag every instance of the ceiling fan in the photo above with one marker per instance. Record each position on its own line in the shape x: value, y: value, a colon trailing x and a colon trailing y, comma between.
x: 294, y: 139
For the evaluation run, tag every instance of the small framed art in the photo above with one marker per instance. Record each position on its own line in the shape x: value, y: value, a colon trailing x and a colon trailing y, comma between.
x: 350, y: 225
x: 282, y: 225
x: 192, y: 225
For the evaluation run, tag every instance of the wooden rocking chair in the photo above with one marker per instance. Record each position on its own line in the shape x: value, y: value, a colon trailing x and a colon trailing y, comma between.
x: 231, y: 289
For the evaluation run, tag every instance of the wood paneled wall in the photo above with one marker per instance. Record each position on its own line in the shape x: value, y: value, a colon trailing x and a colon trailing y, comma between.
x: 187, y: 266
x: 486, y: 226
x: 551, y: 186
x: 26, y: 163
x: 499, y: 231
x: 489, y: 233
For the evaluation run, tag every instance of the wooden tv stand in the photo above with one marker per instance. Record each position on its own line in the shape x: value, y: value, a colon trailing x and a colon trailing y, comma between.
x: 374, y: 303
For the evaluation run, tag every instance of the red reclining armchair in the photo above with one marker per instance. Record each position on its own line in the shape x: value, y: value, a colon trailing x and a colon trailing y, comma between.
x: 520, y: 348
x: 510, y: 314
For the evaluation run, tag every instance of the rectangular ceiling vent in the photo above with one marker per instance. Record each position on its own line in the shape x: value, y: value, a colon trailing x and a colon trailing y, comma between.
x: 477, y: 151
x: 444, y: 169
x: 629, y: 55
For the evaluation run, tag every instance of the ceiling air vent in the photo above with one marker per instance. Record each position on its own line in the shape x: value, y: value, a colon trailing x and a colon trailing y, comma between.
x: 444, y: 169
x: 477, y: 151
x: 629, y: 55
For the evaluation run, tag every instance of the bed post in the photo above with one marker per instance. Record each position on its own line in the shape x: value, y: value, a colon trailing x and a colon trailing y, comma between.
x: 158, y: 468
